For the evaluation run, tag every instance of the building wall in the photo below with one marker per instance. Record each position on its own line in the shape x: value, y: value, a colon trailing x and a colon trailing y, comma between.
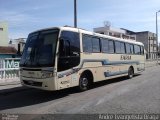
x: 116, y: 32
x: 143, y: 37
x: 18, y: 42
x: 150, y: 43
x: 3, y: 34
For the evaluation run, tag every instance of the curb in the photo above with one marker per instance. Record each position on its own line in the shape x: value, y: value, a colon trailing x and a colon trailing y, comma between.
x: 153, y: 65
x: 10, y: 83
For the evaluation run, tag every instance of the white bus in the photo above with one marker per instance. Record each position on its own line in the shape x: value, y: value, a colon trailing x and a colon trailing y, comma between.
x: 63, y: 57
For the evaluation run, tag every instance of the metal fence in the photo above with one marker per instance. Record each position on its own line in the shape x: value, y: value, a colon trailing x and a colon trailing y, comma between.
x: 9, y: 68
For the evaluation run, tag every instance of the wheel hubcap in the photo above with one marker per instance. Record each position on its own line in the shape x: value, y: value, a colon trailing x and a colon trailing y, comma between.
x: 84, y: 82
x: 131, y: 73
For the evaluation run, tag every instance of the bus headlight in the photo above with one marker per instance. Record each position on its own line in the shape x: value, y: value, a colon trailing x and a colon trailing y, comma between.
x: 47, y: 74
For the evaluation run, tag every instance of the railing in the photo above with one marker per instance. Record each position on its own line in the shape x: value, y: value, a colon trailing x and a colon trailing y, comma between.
x: 9, y: 68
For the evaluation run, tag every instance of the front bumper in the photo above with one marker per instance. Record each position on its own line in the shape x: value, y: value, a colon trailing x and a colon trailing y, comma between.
x: 44, y: 84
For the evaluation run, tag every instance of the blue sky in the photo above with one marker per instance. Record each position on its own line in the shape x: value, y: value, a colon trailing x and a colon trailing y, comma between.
x: 25, y: 16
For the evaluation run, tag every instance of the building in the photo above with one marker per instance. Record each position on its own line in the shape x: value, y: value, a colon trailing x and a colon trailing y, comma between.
x: 147, y: 38
x: 18, y: 44
x: 3, y: 34
x: 116, y: 32
x: 150, y: 43
x: 7, y: 52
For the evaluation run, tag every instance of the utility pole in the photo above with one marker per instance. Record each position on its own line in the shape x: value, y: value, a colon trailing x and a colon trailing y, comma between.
x: 157, y: 32
x: 75, y: 13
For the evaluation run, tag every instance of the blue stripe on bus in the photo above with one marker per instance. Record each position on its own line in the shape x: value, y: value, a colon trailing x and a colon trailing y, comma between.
x: 109, y: 74
x: 104, y: 62
x: 107, y: 62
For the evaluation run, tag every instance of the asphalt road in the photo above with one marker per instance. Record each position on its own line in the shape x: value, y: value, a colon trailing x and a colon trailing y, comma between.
x: 140, y: 94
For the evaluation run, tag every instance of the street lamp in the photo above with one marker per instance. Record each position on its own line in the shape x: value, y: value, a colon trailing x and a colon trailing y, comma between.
x: 75, y: 13
x: 157, y: 31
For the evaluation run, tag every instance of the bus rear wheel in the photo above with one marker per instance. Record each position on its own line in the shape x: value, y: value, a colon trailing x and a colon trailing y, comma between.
x: 84, y: 83
x: 130, y: 73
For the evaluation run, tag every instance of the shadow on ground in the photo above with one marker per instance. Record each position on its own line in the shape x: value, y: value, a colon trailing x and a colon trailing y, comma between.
x: 27, y: 97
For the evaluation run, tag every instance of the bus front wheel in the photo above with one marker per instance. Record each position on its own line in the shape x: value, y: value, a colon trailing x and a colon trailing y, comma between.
x: 130, y: 72
x: 84, y: 83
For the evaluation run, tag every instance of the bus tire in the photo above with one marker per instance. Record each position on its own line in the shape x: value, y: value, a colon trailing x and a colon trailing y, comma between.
x: 84, y: 82
x: 130, y: 73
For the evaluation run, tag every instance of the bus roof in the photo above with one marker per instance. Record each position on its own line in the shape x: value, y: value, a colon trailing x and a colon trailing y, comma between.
x: 92, y: 33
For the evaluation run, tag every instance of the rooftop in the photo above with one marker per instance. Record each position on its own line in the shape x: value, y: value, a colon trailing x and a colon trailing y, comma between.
x: 7, y: 50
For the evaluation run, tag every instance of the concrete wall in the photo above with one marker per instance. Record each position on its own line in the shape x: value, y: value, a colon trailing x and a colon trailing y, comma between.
x: 149, y: 41
x: 151, y: 63
x: 143, y: 37
x: 3, y: 34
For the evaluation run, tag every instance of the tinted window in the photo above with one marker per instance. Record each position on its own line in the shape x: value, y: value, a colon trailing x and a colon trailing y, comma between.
x: 91, y: 44
x: 71, y: 43
x: 128, y: 50
x: 104, y: 43
x: 120, y: 47
x: 69, y: 50
x: 40, y: 49
x: 131, y: 49
x: 142, y: 50
x: 111, y: 46
x: 87, y: 43
x: 137, y: 49
x: 95, y: 45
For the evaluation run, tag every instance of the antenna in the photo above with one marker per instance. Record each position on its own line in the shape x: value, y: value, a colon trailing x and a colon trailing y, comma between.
x: 107, y: 24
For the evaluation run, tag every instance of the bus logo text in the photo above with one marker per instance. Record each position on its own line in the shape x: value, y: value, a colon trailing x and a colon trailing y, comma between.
x: 125, y: 57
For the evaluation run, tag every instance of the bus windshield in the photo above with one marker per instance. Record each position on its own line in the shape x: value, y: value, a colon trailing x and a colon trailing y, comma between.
x: 40, y: 49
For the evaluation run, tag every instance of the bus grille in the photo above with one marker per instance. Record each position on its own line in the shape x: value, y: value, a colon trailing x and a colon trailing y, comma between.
x: 33, y: 83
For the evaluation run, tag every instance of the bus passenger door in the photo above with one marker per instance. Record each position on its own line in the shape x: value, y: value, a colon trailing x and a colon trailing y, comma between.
x: 69, y: 55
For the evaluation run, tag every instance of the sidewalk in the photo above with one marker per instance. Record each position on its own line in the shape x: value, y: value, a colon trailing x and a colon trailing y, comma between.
x: 10, y: 86
x: 151, y: 63
x: 11, y: 81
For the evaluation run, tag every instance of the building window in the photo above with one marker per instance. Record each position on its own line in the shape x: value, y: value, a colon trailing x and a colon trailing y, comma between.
x: 110, y: 34
x: 101, y: 32
x: 1, y: 29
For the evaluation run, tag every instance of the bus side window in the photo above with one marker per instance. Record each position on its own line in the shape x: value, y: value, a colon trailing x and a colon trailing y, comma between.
x: 104, y: 44
x: 96, y: 45
x: 69, y: 50
x: 61, y: 48
x: 137, y: 49
x: 87, y: 44
x: 111, y: 46
x: 123, y: 50
x: 128, y: 51
x: 132, y: 49
x: 118, y: 47
x: 142, y: 50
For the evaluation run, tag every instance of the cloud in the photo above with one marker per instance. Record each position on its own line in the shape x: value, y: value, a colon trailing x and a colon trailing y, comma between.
x: 18, y: 19
x: 31, y: 15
